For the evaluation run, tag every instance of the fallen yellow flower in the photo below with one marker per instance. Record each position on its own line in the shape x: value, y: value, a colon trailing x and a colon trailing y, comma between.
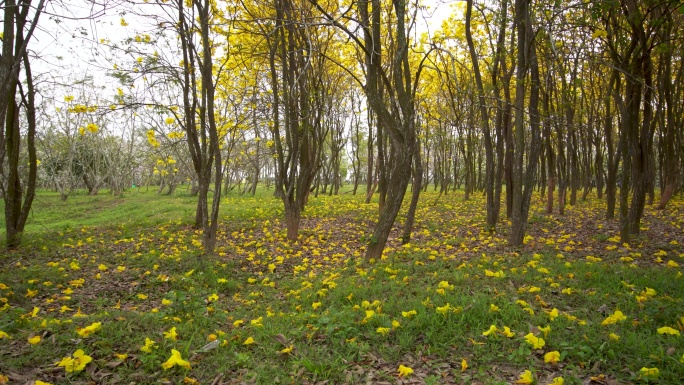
x: 668, y: 330
x: 492, y: 329
x: 89, y: 330
x: 174, y: 360
x: 614, y: 318
x: 404, y: 371
x: 525, y: 378
x: 536, y: 342
x: 552, y: 357
x: 76, y: 362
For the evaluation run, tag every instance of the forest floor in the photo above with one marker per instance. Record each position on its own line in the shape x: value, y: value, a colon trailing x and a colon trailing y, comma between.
x: 113, y: 290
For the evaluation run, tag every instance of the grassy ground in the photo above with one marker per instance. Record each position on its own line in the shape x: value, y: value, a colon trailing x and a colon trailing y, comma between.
x: 119, y: 279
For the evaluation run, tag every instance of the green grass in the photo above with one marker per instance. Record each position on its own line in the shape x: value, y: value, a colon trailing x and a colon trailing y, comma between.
x: 346, y: 320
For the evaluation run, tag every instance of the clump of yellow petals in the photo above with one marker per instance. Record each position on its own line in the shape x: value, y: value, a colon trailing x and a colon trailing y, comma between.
x: 552, y: 357
x: 507, y: 332
x: 174, y: 360
x: 408, y: 314
x: 404, y: 371
x: 149, y: 345
x: 171, y: 334
x: 76, y: 362
x: 614, y: 318
x: 649, y: 373
x: 492, y: 329
x: 525, y: 378
x: 534, y: 341
x: 89, y: 330
x: 668, y: 330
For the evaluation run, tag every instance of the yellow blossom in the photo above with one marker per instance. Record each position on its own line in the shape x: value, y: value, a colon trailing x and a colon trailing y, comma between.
x: 552, y: 357
x: 171, y: 334
x: 668, y: 330
x: 614, y: 337
x: 383, y: 331
x: 557, y: 381
x: 553, y: 314
x: 149, y: 345
x: 174, y: 360
x: 248, y: 341
x: 649, y: 373
x: 546, y: 330
x: 257, y: 322
x: 492, y: 329
x: 464, y: 365
x: 534, y: 341
x: 404, y: 371
x: 34, y: 340
x: 444, y: 309
x: 507, y: 332
x: 315, y: 305
x: 408, y: 314
x: 89, y: 330
x: 616, y: 317
x: 76, y: 362
x: 525, y: 378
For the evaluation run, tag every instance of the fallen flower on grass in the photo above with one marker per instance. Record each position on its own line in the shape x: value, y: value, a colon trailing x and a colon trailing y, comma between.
x: 552, y: 357
x: 149, y: 345
x: 404, y: 371
x: 492, y: 329
x: 557, y: 381
x: 174, y: 360
x: 34, y: 340
x: 89, y: 330
x: 171, y: 334
x: 507, y: 332
x: 408, y: 314
x: 649, y: 373
x: 668, y: 330
x: 248, y: 341
x: 614, y: 318
x: 525, y: 378
x: 536, y: 342
x: 76, y: 362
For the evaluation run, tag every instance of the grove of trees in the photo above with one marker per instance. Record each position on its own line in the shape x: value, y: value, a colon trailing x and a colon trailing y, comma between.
x: 572, y: 100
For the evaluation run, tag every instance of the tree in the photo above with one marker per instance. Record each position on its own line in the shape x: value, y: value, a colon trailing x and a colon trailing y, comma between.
x: 19, y: 23
x: 523, y: 177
